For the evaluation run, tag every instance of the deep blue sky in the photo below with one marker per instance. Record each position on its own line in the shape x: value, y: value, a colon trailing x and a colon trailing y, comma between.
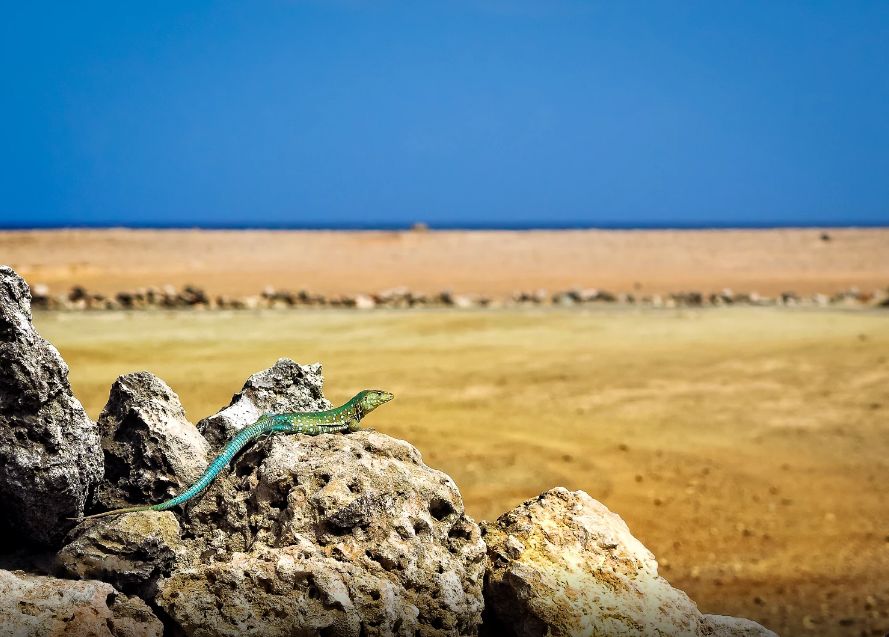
x: 455, y: 113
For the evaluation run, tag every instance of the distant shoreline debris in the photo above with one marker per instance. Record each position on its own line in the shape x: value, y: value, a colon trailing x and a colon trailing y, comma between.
x: 192, y: 297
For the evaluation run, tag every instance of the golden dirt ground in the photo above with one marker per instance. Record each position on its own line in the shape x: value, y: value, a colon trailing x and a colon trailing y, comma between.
x: 497, y: 263
x: 748, y: 448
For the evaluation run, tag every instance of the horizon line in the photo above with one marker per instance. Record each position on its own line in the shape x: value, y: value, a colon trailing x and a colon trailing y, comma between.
x: 420, y: 226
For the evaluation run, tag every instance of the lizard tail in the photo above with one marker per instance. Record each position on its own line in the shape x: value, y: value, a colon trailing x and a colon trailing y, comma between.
x: 115, y: 512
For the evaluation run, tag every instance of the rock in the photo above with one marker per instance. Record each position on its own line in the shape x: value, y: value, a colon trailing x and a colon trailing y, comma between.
x: 449, y: 299
x: 445, y: 297
x: 463, y: 301
x: 127, y: 300
x: 50, y: 458
x: 284, y: 592
x: 151, y: 450
x: 586, y: 295
x: 304, y: 297
x: 537, y: 297
x: 567, y: 297
x: 725, y: 297
x: 343, y: 300
x: 78, y: 293
x: 722, y: 626
x: 364, y: 302
x: 394, y: 297
x: 755, y: 298
x: 40, y: 297
x: 130, y: 551
x: 687, y: 299
x: 789, y: 298
x: 284, y: 387
x: 563, y: 564
x: 226, y: 302
x: 47, y: 606
x: 278, y: 299
x: 334, y: 534
x: 192, y: 296
x: 167, y: 296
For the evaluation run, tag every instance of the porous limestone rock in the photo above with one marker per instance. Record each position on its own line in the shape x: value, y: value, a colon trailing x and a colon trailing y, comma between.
x: 284, y: 387
x: 151, y: 451
x: 562, y: 564
x: 47, y: 607
x: 50, y: 458
x: 130, y: 551
x: 337, y: 534
x: 722, y: 626
x: 283, y: 592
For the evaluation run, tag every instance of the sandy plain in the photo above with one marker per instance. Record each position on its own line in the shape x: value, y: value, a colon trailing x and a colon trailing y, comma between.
x: 492, y: 262
x: 748, y: 448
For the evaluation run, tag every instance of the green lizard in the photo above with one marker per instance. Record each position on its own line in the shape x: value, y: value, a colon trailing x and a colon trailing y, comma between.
x: 344, y: 418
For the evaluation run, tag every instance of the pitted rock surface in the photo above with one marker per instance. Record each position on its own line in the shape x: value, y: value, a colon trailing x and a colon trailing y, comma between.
x: 723, y: 626
x: 284, y: 387
x: 346, y: 533
x: 151, y: 451
x: 562, y: 564
x: 49, y: 607
x: 50, y: 458
x: 131, y: 551
x: 280, y: 592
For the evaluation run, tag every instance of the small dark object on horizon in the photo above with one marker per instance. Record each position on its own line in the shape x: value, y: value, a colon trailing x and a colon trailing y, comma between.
x: 825, y: 236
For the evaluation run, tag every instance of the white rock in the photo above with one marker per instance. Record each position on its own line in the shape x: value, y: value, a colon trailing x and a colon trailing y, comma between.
x: 49, y: 607
x: 564, y: 565
x: 284, y: 387
x: 151, y: 450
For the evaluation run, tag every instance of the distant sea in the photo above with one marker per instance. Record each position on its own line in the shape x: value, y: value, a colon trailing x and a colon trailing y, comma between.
x: 447, y: 226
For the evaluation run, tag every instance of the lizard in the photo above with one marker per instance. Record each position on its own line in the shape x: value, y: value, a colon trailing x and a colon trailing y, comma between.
x: 346, y: 417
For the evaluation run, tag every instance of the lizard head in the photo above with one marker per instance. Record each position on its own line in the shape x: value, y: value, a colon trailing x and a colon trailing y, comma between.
x: 370, y: 399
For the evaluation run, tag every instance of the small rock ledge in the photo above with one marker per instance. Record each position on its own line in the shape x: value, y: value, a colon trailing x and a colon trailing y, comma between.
x: 347, y: 535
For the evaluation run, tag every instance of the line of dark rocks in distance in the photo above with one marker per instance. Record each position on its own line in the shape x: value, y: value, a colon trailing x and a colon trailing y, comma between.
x: 193, y: 297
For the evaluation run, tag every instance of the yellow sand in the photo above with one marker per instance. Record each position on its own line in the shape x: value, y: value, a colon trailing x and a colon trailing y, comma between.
x: 747, y: 447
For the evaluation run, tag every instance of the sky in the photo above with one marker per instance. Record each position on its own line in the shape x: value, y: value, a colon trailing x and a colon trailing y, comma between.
x: 499, y: 113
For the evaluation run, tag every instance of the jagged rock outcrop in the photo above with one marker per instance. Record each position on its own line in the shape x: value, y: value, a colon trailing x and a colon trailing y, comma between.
x: 286, y: 386
x: 47, y: 606
x: 150, y: 449
x: 334, y: 534
x: 562, y: 564
x: 131, y: 552
x: 348, y: 533
x: 50, y: 458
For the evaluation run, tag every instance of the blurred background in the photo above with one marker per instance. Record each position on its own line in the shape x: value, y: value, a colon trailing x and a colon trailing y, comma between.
x: 636, y: 248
